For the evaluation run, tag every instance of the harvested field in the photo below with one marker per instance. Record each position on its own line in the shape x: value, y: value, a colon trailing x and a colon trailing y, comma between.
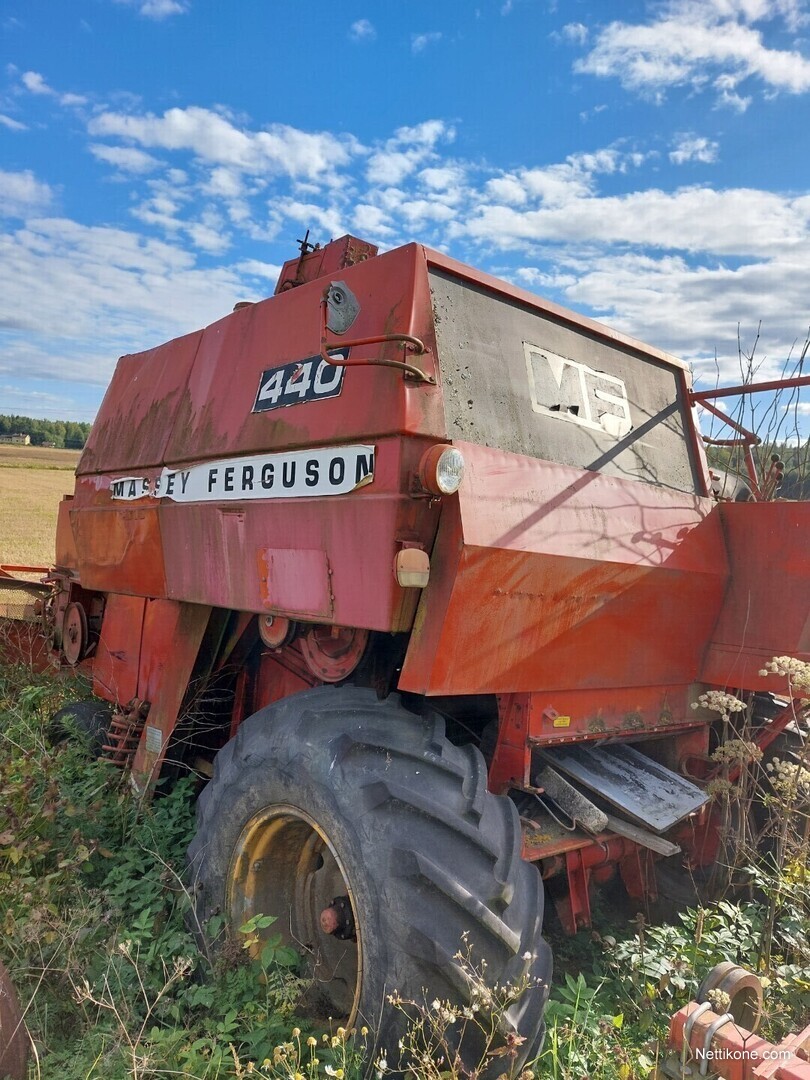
x: 32, y: 483
x: 37, y: 457
x: 29, y: 499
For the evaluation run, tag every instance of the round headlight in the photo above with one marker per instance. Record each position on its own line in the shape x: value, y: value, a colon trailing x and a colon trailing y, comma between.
x: 442, y: 470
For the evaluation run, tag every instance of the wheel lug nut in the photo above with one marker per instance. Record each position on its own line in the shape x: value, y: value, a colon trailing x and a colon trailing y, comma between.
x: 330, y: 920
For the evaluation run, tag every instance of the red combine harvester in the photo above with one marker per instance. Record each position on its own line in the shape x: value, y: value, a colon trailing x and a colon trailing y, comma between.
x: 426, y: 573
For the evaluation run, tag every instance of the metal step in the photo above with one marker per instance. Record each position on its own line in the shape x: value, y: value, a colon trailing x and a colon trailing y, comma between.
x: 639, y: 787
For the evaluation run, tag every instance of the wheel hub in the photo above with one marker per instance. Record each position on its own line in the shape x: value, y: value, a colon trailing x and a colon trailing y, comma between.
x: 285, y: 865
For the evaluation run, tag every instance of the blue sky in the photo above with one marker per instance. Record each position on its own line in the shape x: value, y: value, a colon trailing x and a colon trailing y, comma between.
x: 645, y: 163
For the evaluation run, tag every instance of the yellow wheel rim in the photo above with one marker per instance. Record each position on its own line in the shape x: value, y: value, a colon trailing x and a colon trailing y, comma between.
x: 285, y: 865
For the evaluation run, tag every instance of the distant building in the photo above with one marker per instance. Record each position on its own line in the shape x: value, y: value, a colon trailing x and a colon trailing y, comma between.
x: 20, y: 439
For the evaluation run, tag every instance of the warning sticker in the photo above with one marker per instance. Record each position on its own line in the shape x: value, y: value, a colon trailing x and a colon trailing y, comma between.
x: 293, y: 475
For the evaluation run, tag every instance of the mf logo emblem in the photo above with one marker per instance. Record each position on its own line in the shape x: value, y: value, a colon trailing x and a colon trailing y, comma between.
x: 566, y: 390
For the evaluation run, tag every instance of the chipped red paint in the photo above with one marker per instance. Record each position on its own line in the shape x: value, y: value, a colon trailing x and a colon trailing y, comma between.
x: 552, y: 578
x: 765, y: 613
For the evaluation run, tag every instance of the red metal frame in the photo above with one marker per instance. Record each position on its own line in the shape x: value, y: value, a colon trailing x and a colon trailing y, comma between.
x: 749, y: 439
x: 736, y: 1053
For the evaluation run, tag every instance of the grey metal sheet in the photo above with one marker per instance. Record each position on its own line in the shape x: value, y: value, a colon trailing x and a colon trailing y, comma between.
x: 647, y: 792
x: 486, y: 343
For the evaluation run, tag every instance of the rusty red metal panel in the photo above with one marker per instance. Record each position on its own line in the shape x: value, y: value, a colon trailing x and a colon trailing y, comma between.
x: 217, y: 417
x: 140, y: 407
x: 530, y: 721
x: 296, y: 580
x: 119, y: 550
x: 66, y: 554
x: 117, y: 657
x: 274, y: 681
x: 559, y: 717
x: 330, y: 558
x: 316, y: 262
x: 568, y: 579
x: 171, y: 642
x: 766, y: 611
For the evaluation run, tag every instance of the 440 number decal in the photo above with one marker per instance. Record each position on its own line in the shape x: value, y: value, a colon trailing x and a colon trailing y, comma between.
x: 302, y: 380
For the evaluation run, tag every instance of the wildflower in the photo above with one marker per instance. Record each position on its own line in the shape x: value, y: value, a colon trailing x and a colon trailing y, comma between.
x: 720, y: 702
x: 296, y: 1033
x: 312, y: 1041
x: 364, y: 1031
x: 719, y: 1000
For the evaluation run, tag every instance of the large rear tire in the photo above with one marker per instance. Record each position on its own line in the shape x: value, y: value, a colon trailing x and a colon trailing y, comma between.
x: 333, y: 795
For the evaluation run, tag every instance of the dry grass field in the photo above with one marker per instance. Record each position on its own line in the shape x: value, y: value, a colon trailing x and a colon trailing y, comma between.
x: 32, y: 482
x: 37, y: 457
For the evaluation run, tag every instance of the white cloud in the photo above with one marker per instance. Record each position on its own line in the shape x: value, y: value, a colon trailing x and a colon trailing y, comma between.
x: 419, y: 42
x: 372, y: 220
x: 362, y: 30
x: 35, y: 83
x: 694, y: 148
x: 577, y: 33
x: 443, y: 178
x: 327, y: 218
x: 224, y: 183
x: 215, y: 139
x: 691, y: 219
x: 691, y: 310
x: 701, y: 44
x: 158, y: 9
x: 409, y: 148
x: 21, y: 193
x: 508, y: 189
x: 256, y: 269
x: 64, y: 286
x: 208, y: 234
x: 420, y: 211
x: 125, y: 158
x: 11, y: 124
x: 556, y: 185
x: 675, y: 267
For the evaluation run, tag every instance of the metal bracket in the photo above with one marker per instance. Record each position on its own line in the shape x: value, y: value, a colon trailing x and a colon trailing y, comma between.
x: 408, y: 341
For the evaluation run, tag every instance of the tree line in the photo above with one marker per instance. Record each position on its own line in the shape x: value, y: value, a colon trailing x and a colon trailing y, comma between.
x: 65, y: 434
x: 795, y: 460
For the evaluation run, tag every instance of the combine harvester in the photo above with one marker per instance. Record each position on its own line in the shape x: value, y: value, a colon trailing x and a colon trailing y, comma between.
x: 426, y: 574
